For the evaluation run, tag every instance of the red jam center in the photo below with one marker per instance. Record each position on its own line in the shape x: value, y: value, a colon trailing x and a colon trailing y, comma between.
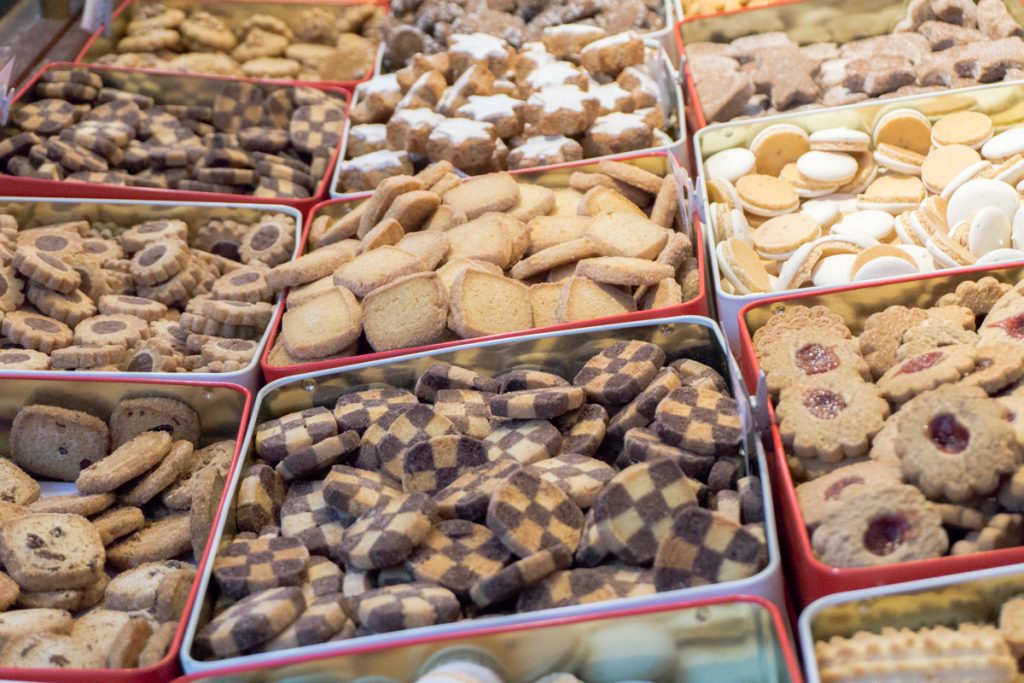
x: 948, y: 434
x: 1013, y: 326
x: 814, y: 359
x: 824, y: 404
x: 833, y: 491
x: 885, y: 534
x: 919, y: 363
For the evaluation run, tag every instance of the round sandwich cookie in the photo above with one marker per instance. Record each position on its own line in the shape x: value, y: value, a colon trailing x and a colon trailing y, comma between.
x: 778, y: 145
x: 906, y: 128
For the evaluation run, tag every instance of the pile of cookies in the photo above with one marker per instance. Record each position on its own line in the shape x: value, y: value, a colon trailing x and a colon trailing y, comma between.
x: 938, y: 45
x: 841, y: 205
x: 485, y: 106
x: 416, y: 26
x: 476, y: 495
x: 99, y: 578
x: 970, y: 651
x: 249, y: 140
x: 909, y: 438
x: 157, y: 296
x: 324, y: 43
x: 428, y: 256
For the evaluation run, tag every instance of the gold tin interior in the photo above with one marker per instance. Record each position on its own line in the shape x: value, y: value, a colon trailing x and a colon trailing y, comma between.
x: 714, y: 643
x: 855, y: 305
x: 975, y: 601
x: 231, y: 13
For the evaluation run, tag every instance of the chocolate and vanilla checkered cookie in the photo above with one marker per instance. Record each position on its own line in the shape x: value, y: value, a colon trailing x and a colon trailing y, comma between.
x: 322, y: 618
x: 316, y: 458
x: 237, y: 105
x: 374, y: 434
x: 316, y: 127
x: 457, y: 554
x: 583, y: 429
x: 45, y: 117
x: 542, y: 404
x: 581, y: 477
x: 468, y: 410
x: 360, y: 409
x: 252, y: 565
x: 353, y: 491
x: 640, y: 411
x: 705, y: 547
x: 643, y: 445
x: 387, y: 534
x: 468, y: 496
x: 513, y: 579
x: 527, y: 441
x: 431, y: 465
x: 529, y: 514
x: 322, y: 578
x: 634, y: 512
x: 699, y: 420
x: 591, y: 551
x: 288, y: 434
x: 698, y: 375
x: 410, y: 605
x: 419, y: 423
x: 250, y: 622
x: 440, y: 376
x: 618, y: 374
x: 523, y: 380
x: 566, y: 587
x: 260, y: 495
x: 277, y: 109
x: 305, y: 515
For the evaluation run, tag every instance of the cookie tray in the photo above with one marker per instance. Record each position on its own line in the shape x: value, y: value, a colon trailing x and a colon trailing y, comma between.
x: 166, y: 89
x: 559, y: 351
x: 1003, y: 102
x: 224, y: 413
x: 34, y: 212
x: 810, y: 577
x: 741, y: 638
x: 233, y: 12
x: 671, y: 95
x: 804, y: 21
x: 941, y: 601
x: 661, y: 162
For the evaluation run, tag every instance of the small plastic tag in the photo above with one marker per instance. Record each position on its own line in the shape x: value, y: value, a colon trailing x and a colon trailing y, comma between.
x: 748, y: 418
x: 684, y: 192
x: 699, y: 202
x: 97, y: 13
x: 6, y: 91
x: 762, y: 419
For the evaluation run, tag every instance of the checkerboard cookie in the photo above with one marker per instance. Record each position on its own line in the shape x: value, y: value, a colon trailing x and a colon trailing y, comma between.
x: 100, y: 578
x: 180, y: 147
x: 486, y: 239
x: 137, y: 295
x: 451, y: 513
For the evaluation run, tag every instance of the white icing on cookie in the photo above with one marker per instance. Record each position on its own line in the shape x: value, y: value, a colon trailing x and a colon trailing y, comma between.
x: 488, y: 107
x: 617, y: 124
x: 553, y: 73
x: 479, y: 46
x: 379, y: 84
x: 609, y: 96
x: 370, y: 133
x: 543, y: 147
x: 561, y: 97
x: 376, y: 161
x: 462, y: 130
x: 420, y: 116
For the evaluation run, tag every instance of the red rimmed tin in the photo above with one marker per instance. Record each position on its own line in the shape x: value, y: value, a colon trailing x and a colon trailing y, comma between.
x: 224, y: 414
x: 809, y: 577
x: 166, y: 89
x: 234, y: 11
x: 661, y: 162
x: 732, y: 636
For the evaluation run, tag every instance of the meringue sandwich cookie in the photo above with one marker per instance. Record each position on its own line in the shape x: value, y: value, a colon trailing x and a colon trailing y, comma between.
x: 742, y: 268
x: 949, y: 253
x: 892, y: 193
x: 799, y: 269
x: 1000, y: 256
x: 943, y: 164
x: 988, y: 230
x: 970, y: 128
x: 971, y: 172
x: 765, y: 195
x: 825, y: 211
x: 840, y: 140
x: 882, y: 261
x: 978, y: 193
x: 833, y: 168
x: 1009, y: 171
x: 779, y: 237
x: 906, y: 128
x: 1004, y: 145
x: 833, y: 271
x: 878, y: 225
x: 898, y: 159
x: 730, y: 164
x: 778, y: 145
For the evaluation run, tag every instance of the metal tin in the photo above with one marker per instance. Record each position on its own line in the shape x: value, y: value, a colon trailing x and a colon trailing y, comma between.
x: 224, y: 413
x: 743, y: 638
x: 34, y: 212
x: 232, y: 12
x: 1003, y: 103
x: 166, y: 89
x: 660, y: 163
x: 804, y: 21
x: 810, y: 577
x: 560, y: 352
x: 941, y: 601
x: 671, y: 94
